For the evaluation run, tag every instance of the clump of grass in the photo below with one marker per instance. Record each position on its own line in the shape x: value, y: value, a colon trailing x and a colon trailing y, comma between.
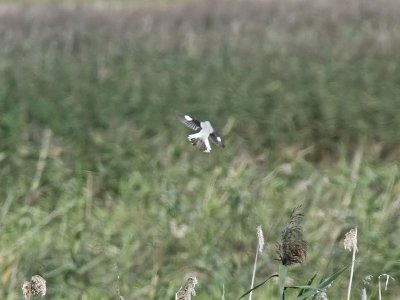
x: 35, y: 287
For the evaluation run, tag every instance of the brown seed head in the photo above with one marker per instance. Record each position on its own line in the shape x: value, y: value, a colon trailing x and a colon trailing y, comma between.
x: 292, y: 248
x: 187, y: 290
x: 35, y: 287
x: 350, y: 240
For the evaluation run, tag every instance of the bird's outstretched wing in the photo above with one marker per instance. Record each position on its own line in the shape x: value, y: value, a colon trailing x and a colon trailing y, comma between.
x: 188, y: 121
x: 217, y: 139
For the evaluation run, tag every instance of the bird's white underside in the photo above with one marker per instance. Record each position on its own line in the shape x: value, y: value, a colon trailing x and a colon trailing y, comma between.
x: 206, y: 128
x: 202, y: 135
x: 207, y: 145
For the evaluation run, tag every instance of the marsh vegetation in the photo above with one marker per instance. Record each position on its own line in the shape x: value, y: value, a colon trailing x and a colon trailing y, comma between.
x: 101, y: 192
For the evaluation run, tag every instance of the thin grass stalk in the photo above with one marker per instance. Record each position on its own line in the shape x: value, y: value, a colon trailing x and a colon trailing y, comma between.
x: 260, y: 248
x: 353, y: 246
x: 364, y: 294
x: 388, y: 277
x: 379, y: 289
x: 351, y: 273
x: 254, y: 274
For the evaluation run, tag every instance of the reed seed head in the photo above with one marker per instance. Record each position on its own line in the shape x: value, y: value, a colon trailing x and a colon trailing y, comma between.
x: 321, y: 296
x: 260, y: 239
x: 33, y: 288
x: 292, y: 248
x: 187, y: 290
x: 367, y: 279
x: 350, y: 240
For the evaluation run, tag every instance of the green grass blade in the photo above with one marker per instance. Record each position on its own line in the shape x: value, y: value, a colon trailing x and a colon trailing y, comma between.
x: 309, y: 283
x: 322, y: 285
x: 257, y: 286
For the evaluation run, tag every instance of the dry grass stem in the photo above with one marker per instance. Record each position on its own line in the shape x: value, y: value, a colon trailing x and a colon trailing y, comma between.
x: 386, y: 284
x: 117, y: 288
x: 364, y: 294
x: 260, y: 248
x: 350, y: 243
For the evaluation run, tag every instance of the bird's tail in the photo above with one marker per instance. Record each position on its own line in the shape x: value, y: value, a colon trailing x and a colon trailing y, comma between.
x: 199, y: 143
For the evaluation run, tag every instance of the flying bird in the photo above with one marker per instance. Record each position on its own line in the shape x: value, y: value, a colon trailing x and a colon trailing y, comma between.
x: 200, y: 139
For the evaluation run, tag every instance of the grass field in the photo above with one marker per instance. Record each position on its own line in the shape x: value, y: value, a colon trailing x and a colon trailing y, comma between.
x: 101, y: 194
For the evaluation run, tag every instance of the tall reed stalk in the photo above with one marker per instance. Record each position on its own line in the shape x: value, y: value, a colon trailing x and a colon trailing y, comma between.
x: 260, y: 248
x: 350, y: 243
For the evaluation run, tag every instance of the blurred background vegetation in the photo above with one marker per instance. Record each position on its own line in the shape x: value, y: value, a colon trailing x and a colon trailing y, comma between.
x: 100, y: 192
